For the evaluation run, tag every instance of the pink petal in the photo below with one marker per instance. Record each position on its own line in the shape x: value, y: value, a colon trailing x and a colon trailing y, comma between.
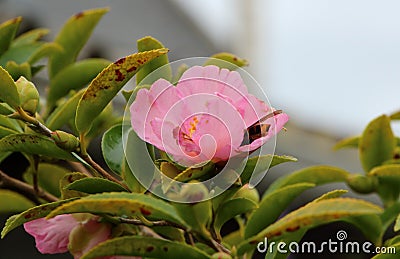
x: 51, y: 235
x: 87, y: 235
x: 212, y: 79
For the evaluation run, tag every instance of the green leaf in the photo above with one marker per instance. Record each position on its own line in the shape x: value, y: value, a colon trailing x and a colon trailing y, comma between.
x: 20, y: 54
x: 65, y: 112
x: 133, y: 184
x: 5, y: 131
x: 107, y: 84
x: 146, y: 44
x: 72, y: 37
x: 8, y: 30
x: 49, y: 176
x: 148, y: 247
x: 196, y: 215
x: 226, y: 60
x: 388, y: 186
x: 9, y: 93
x: 312, y: 215
x: 318, y: 175
x: 46, y: 50
x: 369, y: 225
x: 34, y: 145
x: 194, y: 172
x: 95, y: 185
x: 389, y: 215
x: 377, y: 143
x: 5, y: 109
x: 74, y: 77
x: 17, y: 70
x: 13, y: 202
x: 230, y: 209
x: 260, y: 164
x: 67, y: 180
x: 272, y: 206
x: 351, y: 142
x: 331, y: 195
x: 121, y: 204
x: 170, y: 233
x: 29, y: 215
x: 112, y: 148
x: 29, y: 37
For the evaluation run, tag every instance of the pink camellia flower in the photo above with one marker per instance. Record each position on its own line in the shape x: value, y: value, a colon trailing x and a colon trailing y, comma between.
x: 203, y: 118
x: 75, y: 233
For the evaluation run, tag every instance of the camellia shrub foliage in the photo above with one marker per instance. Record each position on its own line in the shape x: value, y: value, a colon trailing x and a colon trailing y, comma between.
x: 69, y: 203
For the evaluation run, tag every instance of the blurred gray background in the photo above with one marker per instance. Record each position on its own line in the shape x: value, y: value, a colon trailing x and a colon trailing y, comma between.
x: 331, y: 65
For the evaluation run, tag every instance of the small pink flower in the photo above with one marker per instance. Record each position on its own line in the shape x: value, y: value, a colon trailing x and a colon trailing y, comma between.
x: 75, y: 233
x: 203, y: 118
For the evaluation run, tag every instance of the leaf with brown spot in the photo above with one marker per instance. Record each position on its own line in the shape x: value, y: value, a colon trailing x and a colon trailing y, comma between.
x: 226, y: 60
x: 146, y: 44
x: 34, y: 145
x: 146, y: 247
x: 121, y: 204
x: 311, y: 215
x: 107, y: 84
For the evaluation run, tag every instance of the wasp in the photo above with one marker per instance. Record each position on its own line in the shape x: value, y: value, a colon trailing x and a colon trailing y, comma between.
x: 258, y: 130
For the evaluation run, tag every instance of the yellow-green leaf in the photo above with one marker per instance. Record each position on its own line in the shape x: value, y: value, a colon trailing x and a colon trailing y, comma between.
x: 395, y: 116
x: 226, y: 60
x: 377, y: 143
x: 29, y: 215
x: 146, y: 247
x: 230, y: 209
x: 146, y: 44
x: 272, y: 206
x: 351, y: 142
x: 13, y: 202
x: 46, y: 50
x: 29, y: 37
x: 67, y: 180
x: 121, y: 204
x: 260, y: 164
x: 74, y: 77
x: 72, y: 37
x: 17, y: 70
x: 312, y: 215
x: 318, y: 175
x: 388, y: 186
x: 8, y: 30
x: 35, y: 145
x: 331, y: 195
x: 92, y: 185
x: 9, y: 93
x: 65, y: 112
x: 107, y: 84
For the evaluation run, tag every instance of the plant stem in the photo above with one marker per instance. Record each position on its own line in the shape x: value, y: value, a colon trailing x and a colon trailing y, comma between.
x: 103, y: 172
x: 7, y: 181
x: 26, y: 117
x: 83, y: 154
